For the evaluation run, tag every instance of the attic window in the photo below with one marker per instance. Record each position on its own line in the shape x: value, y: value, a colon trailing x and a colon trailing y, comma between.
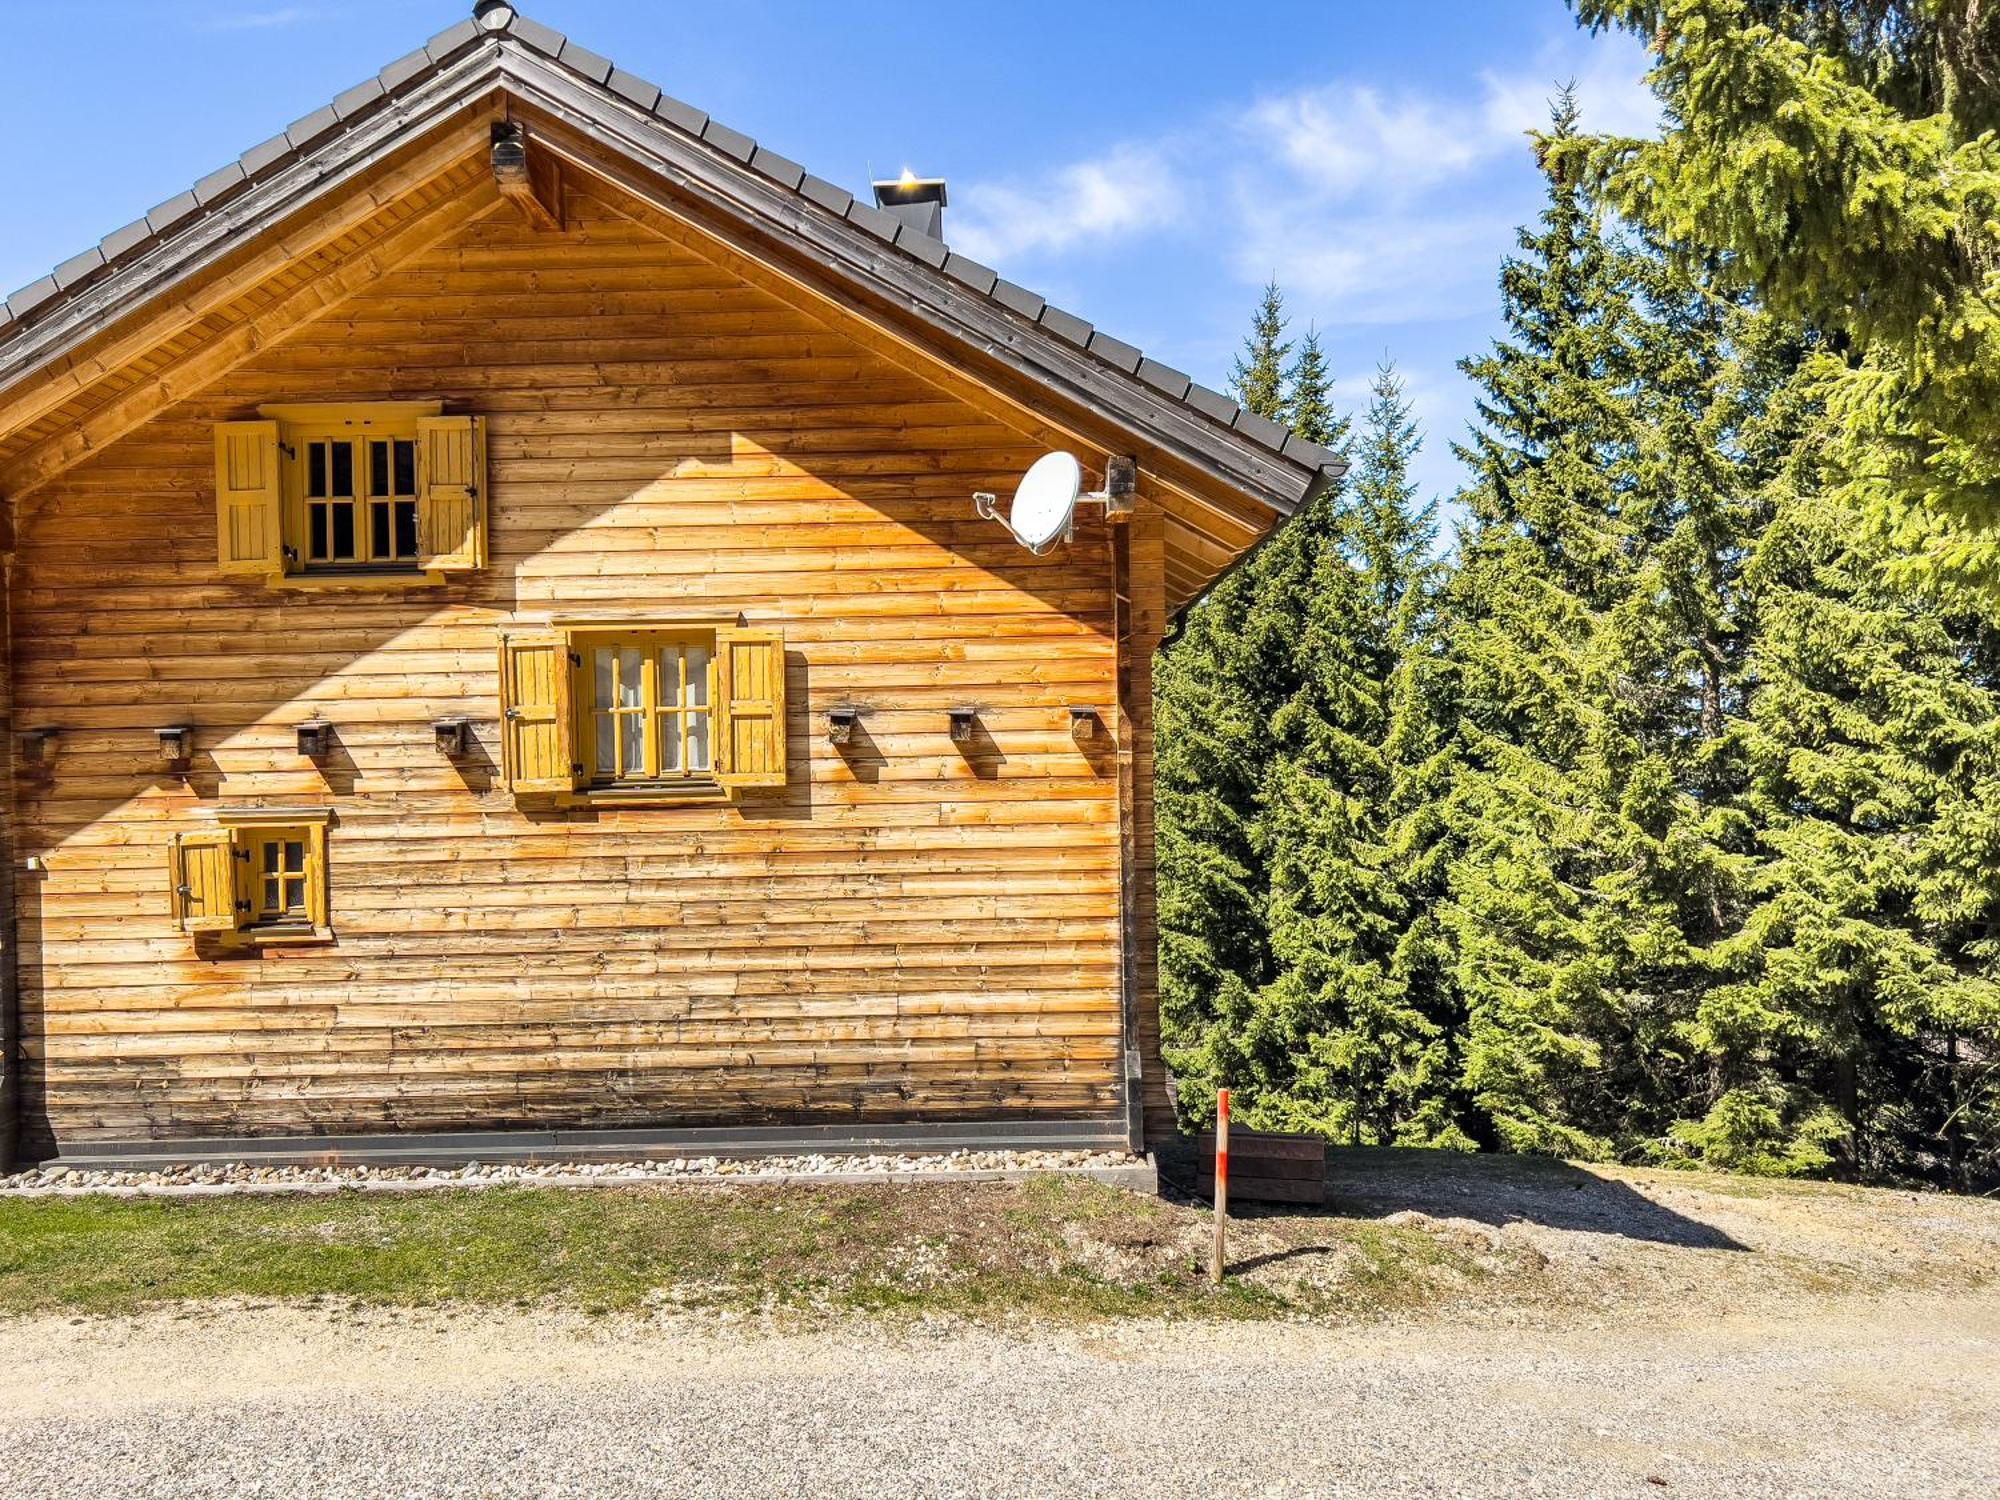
x: 323, y: 492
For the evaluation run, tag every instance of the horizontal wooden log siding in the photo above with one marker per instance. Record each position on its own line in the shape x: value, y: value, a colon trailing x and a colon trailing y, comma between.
x: 910, y: 929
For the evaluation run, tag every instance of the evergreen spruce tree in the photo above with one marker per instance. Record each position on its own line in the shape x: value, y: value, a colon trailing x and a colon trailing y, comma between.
x: 1859, y: 1021
x: 1342, y: 1040
x: 1217, y: 685
x: 1585, y: 871
x: 1840, y: 159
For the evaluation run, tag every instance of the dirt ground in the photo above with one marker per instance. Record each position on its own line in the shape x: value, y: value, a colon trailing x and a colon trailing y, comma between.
x: 1449, y: 1326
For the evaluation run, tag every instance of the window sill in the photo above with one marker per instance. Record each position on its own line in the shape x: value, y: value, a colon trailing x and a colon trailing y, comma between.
x: 649, y: 796
x: 323, y: 582
x: 279, y: 937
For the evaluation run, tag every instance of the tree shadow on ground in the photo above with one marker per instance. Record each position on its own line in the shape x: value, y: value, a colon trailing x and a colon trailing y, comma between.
x: 1376, y: 1183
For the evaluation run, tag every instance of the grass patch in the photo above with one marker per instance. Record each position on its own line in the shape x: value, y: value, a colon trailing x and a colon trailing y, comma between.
x: 1048, y: 1247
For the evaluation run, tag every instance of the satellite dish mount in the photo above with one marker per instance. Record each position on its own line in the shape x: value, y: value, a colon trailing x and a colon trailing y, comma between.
x: 1043, y: 513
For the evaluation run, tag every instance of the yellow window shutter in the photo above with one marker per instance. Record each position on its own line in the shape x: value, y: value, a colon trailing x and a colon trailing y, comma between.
x: 202, y: 873
x: 451, y: 492
x: 249, y: 530
x: 536, y: 724
x: 750, y: 707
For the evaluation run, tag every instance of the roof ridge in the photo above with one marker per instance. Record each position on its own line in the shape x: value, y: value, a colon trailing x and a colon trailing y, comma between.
x: 494, y: 22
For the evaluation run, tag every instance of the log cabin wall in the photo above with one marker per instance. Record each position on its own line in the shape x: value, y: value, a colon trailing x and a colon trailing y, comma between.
x: 910, y: 929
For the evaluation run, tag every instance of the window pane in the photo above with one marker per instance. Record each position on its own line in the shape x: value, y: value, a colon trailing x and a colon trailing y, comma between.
x: 271, y: 856
x: 631, y: 674
x: 379, y: 531
x: 670, y: 677
x: 406, y: 467
x: 318, y: 546
x: 698, y: 742
x: 378, y: 467
x: 697, y: 676
x: 606, y: 730
x: 315, y: 469
x: 343, y: 468
x: 406, y: 528
x: 600, y: 677
x: 634, y: 733
x: 295, y: 855
x: 343, y: 530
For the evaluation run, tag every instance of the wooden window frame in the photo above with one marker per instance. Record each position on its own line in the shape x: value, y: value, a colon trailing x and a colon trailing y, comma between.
x: 652, y: 710
x: 549, y: 718
x: 265, y: 513
x: 240, y: 835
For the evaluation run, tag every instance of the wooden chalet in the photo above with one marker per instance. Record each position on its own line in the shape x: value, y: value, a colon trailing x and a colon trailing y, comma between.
x: 501, y: 657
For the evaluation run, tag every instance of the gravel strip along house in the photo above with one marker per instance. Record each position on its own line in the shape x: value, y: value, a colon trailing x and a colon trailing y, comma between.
x: 503, y: 660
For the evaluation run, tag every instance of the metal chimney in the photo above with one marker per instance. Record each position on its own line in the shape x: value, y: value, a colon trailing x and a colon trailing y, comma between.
x: 917, y: 201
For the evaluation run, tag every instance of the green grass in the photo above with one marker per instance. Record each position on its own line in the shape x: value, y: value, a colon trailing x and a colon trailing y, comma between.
x: 1047, y: 1247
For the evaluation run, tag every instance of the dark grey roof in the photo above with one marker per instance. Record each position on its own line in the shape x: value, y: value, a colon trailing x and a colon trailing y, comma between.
x: 495, y: 22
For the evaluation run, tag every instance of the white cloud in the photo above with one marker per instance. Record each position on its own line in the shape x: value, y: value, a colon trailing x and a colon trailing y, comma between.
x: 1086, y: 203
x: 1366, y: 205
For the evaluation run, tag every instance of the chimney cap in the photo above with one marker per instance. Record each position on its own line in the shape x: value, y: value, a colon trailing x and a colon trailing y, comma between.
x: 910, y: 188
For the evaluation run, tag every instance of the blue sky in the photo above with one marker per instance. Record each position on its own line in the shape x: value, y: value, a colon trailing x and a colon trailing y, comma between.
x: 1147, y: 166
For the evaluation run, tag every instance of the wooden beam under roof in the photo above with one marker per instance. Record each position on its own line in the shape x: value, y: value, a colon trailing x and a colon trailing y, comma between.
x: 528, y: 177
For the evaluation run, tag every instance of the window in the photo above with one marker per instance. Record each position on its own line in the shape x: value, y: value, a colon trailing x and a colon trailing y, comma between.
x: 321, y: 492
x: 648, y: 714
x: 259, y: 877
x: 661, y: 708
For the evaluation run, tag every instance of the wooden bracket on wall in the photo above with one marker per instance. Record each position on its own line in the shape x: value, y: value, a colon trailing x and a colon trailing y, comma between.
x: 527, y: 176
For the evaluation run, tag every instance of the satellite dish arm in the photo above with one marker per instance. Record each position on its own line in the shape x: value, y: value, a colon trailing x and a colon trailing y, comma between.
x: 1121, y: 484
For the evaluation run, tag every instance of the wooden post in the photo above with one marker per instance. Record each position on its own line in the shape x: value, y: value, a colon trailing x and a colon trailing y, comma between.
x: 1221, y: 1182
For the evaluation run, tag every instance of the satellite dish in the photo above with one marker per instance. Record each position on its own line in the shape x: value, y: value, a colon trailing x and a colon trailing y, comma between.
x: 1045, y: 501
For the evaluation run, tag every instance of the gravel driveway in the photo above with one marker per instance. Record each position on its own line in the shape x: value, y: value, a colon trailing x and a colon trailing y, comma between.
x: 1855, y: 1398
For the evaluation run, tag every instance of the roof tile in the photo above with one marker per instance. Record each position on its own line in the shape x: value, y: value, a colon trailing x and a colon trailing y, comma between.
x: 931, y: 252
x: 826, y: 194
x: 303, y: 131
x: 1018, y: 298
x: 1311, y: 454
x: 119, y: 241
x: 1261, y: 429
x: 448, y: 41
x: 592, y: 66
x: 216, y: 183
x: 73, y: 270
x: 542, y: 38
x: 1164, y: 378
x: 1114, y: 352
x: 403, y: 69
x: 734, y: 142
x: 357, y: 98
x: 260, y: 156
x: 632, y: 86
x: 1210, y: 403
x: 876, y: 221
x: 685, y: 116
x: 1065, y: 325
x: 32, y: 296
x: 163, y: 216
x: 784, y: 169
x: 964, y: 268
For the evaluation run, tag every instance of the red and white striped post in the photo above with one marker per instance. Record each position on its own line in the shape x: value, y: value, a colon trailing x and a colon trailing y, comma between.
x: 1221, y: 1181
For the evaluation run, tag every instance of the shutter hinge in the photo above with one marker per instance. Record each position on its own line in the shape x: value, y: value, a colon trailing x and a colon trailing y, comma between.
x: 287, y: 449
x: 575, y: 660
x: 243, y: 906
x: 242, y: 854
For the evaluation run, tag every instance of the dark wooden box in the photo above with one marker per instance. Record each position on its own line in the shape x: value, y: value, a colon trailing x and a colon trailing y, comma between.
x: 1265, y: 1168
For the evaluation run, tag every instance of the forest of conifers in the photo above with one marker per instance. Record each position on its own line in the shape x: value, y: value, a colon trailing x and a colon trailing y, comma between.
x: 1653, y: 813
